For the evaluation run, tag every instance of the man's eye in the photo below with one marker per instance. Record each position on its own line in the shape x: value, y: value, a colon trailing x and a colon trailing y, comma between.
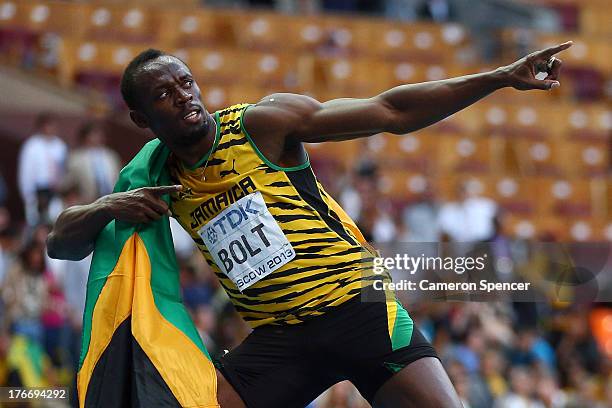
x: 188, y: 83
x: 163, y: 95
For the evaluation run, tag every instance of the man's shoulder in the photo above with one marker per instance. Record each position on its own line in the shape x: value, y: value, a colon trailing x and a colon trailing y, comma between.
x: 32, y: 140
x: 233, y: 109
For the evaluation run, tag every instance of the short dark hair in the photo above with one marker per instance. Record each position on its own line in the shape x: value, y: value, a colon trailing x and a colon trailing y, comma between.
x: 128, y: 80
x: 43, y: 119
x: 86, y: 129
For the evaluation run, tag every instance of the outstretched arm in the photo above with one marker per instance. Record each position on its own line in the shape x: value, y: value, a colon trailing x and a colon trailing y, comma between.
x: 399, y: 110
x: 76, y: 229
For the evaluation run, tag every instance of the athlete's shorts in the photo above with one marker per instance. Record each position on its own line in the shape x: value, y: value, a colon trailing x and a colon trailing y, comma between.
x: 289, y: 366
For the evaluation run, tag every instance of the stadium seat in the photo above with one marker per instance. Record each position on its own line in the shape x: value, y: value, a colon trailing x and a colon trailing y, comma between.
x: 281, y: 71
x: 588, y: 122
x: 196, y: 28
x: 305, y: 34
x: 98, y: 58
x: 539, y: 157
x: 418, y: 42
x: 515, y: 195
x: 215, y: 65
x: 346, y: 77
x: 413, y: 151
x: 260, y: 31
x: 520, y: 121
x: 565, y: 197
x: 595, y: 19
x: 586, y: 159
x: 128, y: 24
x: 339, y: 153
x: 536, y: 228
x: 43, y: 16
x: 448, y: 186
x: 464, y: 154
x: 585, y: 229
x: 402, y: 186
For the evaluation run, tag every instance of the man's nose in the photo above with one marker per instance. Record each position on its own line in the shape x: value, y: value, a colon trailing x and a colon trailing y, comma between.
x: 183, y: 96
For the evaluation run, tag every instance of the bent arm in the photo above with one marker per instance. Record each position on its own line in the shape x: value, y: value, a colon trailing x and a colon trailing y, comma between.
x: 75, y: 231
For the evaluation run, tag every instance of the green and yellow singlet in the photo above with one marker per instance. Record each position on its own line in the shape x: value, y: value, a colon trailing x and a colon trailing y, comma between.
x: 282, y: 248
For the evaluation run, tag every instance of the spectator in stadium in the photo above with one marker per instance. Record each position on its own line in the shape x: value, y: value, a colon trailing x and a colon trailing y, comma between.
x: 469, y: 219
x: 492, y: 371
x: 549, y: 391
x: 3, y: 191
x: 531, y: 349
x: 24, y: 292
x: 420, y: 218
x: 522, y: 384
x: 54, y: 318
x: 439, y: 11
x: 92, y: 167
x: 7, y: 242
x: 404, y: 10
x: 41, y: 167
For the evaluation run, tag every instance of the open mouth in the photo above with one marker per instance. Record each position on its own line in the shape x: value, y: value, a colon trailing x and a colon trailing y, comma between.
x: 193, y: 116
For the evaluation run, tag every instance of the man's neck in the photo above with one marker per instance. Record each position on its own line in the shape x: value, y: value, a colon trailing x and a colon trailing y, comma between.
x: 191, y: 155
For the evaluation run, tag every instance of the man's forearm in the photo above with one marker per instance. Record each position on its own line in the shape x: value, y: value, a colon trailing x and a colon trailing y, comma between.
x: 75, y: 231
x: 419, y: 105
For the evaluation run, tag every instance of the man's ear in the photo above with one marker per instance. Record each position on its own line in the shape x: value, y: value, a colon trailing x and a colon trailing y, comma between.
x: 139, y: 119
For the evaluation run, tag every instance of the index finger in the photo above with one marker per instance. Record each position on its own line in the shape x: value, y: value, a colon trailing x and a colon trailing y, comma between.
x: 161, y: 190
x: 550, y: 51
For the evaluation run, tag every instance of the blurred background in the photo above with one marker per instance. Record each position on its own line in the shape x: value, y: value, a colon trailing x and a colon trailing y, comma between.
x: 515, y: 170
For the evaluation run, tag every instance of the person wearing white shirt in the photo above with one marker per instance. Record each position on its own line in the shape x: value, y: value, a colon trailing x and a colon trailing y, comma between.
x: 93, y: 167
x: 40, y: 166
x: 470, y: 219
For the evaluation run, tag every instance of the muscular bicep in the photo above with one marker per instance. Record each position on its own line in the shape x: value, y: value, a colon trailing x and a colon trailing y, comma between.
x: 300, y: 118
x: 343, y: 119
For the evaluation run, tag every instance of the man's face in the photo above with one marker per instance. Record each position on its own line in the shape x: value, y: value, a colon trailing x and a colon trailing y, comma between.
x: 169, y: 100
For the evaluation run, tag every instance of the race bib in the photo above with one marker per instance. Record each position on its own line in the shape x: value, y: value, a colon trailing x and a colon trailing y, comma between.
x: 246, y: 242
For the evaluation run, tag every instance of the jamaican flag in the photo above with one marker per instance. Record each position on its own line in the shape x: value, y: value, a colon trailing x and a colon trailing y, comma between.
x: 140, y: 347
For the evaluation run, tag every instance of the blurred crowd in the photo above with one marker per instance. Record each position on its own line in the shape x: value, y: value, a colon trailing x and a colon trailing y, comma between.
x: 408, y: 10
x: 498, y: 354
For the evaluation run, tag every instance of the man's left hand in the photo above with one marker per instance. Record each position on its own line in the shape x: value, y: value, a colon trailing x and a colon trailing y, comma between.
x: 521, y: 74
